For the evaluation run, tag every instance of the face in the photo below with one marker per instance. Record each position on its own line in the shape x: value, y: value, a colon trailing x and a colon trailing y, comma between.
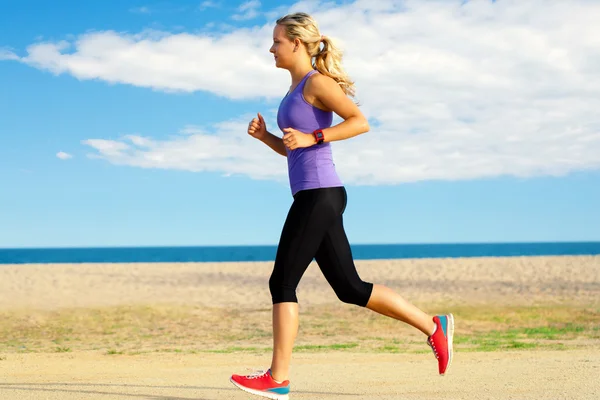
x: 282, y: 49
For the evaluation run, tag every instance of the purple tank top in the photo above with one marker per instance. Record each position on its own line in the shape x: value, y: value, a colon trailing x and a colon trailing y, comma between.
x: 310, y: 167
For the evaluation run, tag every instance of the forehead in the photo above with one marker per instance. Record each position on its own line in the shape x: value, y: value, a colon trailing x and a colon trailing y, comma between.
x: 279, y: 32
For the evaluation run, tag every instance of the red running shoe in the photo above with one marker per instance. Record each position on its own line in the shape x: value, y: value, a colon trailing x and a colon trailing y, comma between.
x: 441, y: 341
x: 262, y: 384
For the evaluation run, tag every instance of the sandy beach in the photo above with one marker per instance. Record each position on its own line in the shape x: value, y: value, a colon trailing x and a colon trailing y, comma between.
x: 518, y: 280
x: 32, y: 297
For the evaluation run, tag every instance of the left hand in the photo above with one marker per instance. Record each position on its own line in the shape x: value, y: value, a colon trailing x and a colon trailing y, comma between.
x: 294, y: 139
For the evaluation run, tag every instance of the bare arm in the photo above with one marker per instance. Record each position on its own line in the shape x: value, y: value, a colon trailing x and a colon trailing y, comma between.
x: 331, y: 95
x: 275, y: 143
x: 257, y: 128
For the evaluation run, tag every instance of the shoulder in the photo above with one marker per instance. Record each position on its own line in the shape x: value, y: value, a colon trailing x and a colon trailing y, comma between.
x: 318, y: 82
x: 323, y: 91
x: 327, y: 94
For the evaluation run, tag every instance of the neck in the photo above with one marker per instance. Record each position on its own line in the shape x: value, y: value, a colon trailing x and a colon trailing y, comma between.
x: 299, y: 71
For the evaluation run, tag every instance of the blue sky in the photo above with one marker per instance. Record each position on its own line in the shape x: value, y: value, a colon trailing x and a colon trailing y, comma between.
x: 123, y: 123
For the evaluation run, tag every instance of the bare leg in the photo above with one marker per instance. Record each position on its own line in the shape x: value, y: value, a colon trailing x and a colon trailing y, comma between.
x: 389, y: 303
x: 285, y: 329
x: 383, y: 300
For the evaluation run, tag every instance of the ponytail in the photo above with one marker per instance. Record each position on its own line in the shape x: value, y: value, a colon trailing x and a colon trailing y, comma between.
x: 328, y: 61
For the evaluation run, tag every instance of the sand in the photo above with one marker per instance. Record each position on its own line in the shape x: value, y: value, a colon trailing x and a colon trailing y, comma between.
x: 518, y: 280
x: 566, y: 374
x: 335, y: 376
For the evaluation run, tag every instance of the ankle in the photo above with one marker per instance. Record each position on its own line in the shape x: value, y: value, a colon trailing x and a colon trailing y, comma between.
x: 278, y: 377
x: 433, y: 328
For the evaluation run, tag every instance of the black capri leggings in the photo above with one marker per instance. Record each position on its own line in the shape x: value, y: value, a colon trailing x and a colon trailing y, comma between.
x: 314, y: 229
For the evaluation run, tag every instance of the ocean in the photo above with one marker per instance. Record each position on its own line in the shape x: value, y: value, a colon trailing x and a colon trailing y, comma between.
x: 267, y: 253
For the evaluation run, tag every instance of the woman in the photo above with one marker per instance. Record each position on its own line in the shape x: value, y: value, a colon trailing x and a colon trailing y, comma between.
x: 314, y: 227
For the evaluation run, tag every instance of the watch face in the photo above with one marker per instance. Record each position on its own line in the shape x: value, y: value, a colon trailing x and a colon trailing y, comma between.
x: 319, y: 136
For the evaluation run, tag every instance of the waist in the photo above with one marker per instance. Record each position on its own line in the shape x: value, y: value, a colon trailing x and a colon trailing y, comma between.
x: 312, y: 168
x: 311, y: 159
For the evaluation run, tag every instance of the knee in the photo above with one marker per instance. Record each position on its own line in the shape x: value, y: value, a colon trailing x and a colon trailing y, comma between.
x: 280, y: 293
x: 357, y: 294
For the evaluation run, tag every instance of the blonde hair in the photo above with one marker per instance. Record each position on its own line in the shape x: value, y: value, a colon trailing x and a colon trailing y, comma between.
x: 327, y: 60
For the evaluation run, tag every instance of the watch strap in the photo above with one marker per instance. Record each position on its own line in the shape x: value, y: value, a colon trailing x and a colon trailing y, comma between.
x: 319, y: 136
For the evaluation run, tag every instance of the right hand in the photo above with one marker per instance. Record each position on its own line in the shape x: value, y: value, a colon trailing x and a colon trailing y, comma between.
x: 257, y: 128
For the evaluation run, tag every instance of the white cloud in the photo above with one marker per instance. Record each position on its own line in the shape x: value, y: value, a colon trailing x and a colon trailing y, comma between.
x: 140, y: 10
x: 453, y: 92
x: 166, y: 62
x: 208, y: 4
x: 63, y: 156
x: 247, y: 11
x: 230, y: 151
x: 248, y: 5
x: 6, y: 54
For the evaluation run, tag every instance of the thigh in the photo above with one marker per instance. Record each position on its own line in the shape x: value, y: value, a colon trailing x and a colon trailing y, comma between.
x: 310, y: 217
x: 335, y: 259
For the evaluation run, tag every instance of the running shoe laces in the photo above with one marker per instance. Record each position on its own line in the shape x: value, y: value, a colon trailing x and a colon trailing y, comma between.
x: 432, y: 345
x: 256, y: 375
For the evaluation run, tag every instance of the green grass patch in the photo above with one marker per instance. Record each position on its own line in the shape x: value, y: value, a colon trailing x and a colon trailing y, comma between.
x: 338, y: 327
x: 316, y: 347
x: 236, y: 349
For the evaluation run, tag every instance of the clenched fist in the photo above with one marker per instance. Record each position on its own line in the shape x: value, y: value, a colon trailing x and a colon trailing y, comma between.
x: 257, y: 128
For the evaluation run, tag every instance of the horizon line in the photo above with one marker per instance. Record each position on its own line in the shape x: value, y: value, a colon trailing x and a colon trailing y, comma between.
x: 275, y: 245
